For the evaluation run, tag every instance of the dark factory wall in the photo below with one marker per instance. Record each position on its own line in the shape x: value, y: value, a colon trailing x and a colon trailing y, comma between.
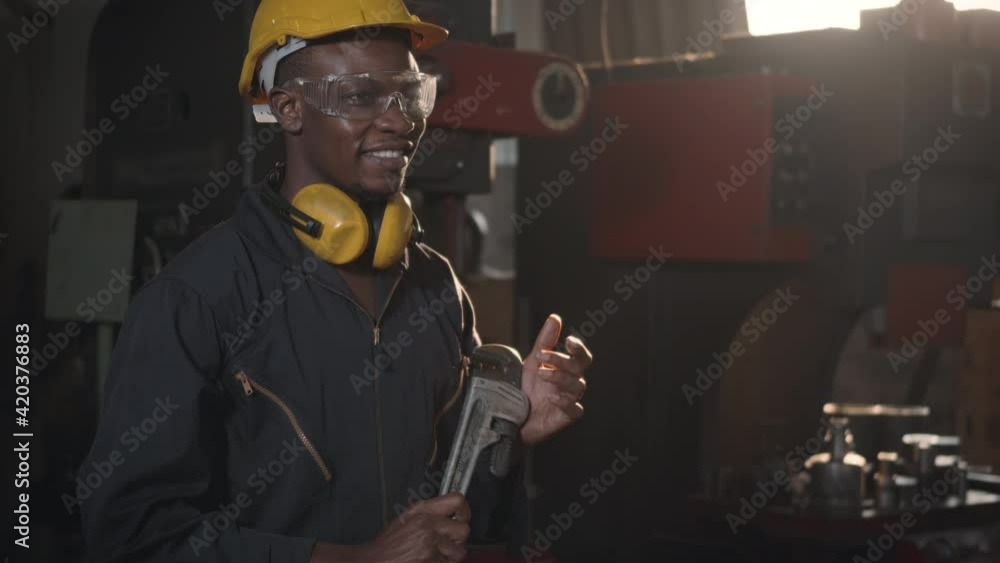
x: 648, y: 342
x: 637, y: 28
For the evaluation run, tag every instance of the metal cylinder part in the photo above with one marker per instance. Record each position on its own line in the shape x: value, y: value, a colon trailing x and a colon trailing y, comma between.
x: 886, y: 499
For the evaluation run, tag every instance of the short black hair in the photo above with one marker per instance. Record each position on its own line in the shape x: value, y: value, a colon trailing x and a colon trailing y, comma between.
x: 298, y: 63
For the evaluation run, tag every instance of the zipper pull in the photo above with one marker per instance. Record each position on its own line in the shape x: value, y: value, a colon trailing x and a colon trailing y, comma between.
x: 376, y: 334
x: 245, y: 381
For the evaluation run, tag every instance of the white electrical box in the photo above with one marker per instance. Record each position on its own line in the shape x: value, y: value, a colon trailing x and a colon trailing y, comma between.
x: 90, y: 273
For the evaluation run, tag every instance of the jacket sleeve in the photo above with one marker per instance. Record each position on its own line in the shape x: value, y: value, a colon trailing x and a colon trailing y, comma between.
x: 156, y: 471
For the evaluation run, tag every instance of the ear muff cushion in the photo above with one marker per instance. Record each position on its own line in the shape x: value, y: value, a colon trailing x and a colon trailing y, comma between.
x: 345, y: 228
x: 397, y: 228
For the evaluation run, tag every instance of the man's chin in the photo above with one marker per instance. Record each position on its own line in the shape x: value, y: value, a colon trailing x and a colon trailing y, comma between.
x: 380, y: 190
x: 386, y: 185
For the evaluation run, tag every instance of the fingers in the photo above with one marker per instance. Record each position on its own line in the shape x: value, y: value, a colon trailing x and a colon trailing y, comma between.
x: 578, y: 358
x: 578, y: 349
x: 450, y: 523
x: 447, y: 505
x: 452, y: 530
x: 571, y: 364
x: 560, y: 400
x: 548, y: 337
x: 571, y: 410
x: 451, y: 551
x: 565, y: 382
x: 444, y: 523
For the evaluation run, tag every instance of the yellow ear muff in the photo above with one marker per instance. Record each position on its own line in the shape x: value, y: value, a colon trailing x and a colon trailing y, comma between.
x: 395, y: 233
x: 344, y: 235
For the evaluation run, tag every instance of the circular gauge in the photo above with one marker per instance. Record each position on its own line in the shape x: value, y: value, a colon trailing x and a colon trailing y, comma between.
x: 560, y: 96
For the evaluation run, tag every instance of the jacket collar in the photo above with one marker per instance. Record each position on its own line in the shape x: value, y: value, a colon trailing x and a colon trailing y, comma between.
x: 267, y: 233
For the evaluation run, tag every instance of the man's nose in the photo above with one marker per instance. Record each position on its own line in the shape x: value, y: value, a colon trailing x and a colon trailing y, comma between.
x: 394, y: 117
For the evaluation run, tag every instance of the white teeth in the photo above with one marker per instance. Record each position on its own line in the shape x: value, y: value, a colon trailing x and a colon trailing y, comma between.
x: 387, y: 154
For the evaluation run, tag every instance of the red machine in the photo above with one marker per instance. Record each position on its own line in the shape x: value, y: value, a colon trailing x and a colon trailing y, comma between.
x: 708, y: 174
x: 506, y: 92
x: 878, y: 198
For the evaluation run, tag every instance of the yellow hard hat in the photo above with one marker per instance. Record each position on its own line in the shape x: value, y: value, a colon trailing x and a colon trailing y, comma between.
x: 277, y: 20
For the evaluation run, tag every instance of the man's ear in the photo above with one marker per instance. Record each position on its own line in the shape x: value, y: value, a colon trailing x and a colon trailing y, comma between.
x: 288, y: 108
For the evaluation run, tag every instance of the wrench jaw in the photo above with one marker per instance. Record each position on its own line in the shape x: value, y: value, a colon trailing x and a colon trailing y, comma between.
x: 507, y: 429
x: 492, y: 415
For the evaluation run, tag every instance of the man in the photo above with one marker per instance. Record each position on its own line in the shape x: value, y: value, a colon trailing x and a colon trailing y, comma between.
x: 272, y: 400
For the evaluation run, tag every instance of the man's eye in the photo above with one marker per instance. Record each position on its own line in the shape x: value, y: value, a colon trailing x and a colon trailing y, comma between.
x: 360, y: 98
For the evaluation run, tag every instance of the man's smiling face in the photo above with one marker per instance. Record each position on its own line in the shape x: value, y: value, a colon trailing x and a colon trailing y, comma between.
x: 367, y: 158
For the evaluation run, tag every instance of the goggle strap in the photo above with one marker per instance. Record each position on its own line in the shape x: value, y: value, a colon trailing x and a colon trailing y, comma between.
x: 269, y: 64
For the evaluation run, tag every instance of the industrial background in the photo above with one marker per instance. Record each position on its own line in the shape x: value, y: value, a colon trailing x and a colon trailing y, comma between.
x: 775, y: 223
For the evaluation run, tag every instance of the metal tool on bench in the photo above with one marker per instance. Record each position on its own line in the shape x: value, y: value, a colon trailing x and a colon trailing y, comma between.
x: 837, y: 483
x: 492, y: 415
x: 838, y: 476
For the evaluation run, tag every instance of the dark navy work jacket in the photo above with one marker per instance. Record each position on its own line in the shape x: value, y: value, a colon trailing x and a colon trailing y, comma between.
x: 253, y: 407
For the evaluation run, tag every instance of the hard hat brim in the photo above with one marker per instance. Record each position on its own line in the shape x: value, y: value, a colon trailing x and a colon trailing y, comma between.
x: 425, y: 36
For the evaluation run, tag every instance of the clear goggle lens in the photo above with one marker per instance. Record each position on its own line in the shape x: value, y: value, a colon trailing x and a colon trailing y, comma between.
x: 369, y: 95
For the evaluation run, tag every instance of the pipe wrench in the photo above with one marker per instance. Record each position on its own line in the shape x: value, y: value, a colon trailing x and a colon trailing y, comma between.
x: 492, y: 415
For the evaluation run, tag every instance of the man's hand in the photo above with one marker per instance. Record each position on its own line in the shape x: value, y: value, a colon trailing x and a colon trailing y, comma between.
x: 553, y: 382
x: 423, y: 534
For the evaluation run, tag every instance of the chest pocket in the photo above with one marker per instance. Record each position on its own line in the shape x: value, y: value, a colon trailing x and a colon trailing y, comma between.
x: 254, y: 390
x: 270, y: 412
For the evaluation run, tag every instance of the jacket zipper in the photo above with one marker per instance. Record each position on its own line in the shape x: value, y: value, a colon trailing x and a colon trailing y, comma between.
x: 378, y: 429
x: 249, y: 386
x: 376, y: 336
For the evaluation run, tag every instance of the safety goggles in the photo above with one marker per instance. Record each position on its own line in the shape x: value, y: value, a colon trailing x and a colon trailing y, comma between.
x: 368, y: 95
